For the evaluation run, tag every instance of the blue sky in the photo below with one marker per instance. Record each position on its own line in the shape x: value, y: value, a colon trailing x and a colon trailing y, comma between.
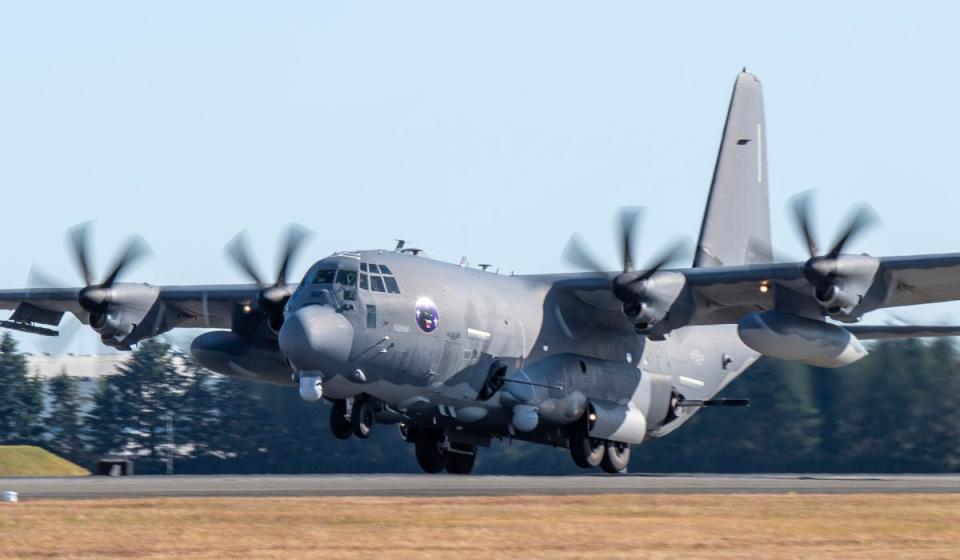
x: 492, y: 130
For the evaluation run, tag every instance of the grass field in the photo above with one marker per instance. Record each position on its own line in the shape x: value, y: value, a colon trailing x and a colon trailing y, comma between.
x: 26, y: 460
x: 623, y: 526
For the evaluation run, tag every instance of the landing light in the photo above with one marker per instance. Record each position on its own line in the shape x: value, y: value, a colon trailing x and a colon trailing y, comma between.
x: 592, y: 416
x: 247, y: 308
x: 764, y: 287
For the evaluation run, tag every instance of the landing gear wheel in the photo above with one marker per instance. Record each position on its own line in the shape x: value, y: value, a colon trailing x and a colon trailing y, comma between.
x: 362, y: 418
x: 587, y: 452
x: 340, y: 425
x: 460, y: 458
x: 615, y: 457
x: 432, y: 454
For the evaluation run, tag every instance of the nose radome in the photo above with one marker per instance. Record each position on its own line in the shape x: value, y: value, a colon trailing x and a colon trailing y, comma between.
x: 316, y: 337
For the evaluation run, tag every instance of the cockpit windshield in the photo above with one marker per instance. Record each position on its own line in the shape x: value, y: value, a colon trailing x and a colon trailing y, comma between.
x: 324, y: 276
x: 347, y: 277
x: 331, y: 275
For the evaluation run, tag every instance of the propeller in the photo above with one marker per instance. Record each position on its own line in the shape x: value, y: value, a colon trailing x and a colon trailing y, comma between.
x: 821, y: 268
x: 273, y: 296
x: 96, y: 297
x: 629, y: 285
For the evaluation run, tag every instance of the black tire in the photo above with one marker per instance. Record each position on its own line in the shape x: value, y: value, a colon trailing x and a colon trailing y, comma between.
x: 362, y: 418
x: 340, y: 425
x: 432, y: 456
x: 461, y: 458
x: 616, y: 456
x: 587, y: 452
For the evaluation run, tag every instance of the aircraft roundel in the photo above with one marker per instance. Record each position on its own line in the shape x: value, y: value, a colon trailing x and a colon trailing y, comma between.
x: 428, y: 316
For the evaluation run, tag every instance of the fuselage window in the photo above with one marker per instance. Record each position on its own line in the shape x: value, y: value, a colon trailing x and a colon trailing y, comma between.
x: 347, y: 277
x: 364, y: 285
x: 324, y: 276
x: 376, y: 284
x: 384, y: 269
x: 371, y: 316
x: 363, y: 267
x: 392, y: 286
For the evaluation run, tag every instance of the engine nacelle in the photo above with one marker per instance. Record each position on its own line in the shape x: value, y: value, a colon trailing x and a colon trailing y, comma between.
x: 132, y: 313
x: 648, y: 303
x: 843, y: 283
x: 228, y: 353
x: 799, y: 339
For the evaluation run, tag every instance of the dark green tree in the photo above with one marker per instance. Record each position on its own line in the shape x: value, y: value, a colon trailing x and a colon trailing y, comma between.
x: 64, y: 418
x: 21, y: 396
x: 133, y: 408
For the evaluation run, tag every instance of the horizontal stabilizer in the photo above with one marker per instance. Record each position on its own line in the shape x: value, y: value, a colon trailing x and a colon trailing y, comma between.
x: 884, y: 332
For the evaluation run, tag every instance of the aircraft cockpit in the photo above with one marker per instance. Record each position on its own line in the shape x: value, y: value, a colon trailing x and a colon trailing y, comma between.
x: 338, y: 280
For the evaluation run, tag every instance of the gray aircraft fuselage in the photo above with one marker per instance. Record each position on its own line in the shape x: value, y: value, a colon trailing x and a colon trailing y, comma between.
x: 424, y: 338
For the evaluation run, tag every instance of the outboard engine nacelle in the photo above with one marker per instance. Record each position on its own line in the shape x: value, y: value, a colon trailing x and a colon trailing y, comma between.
x: 128, y: 313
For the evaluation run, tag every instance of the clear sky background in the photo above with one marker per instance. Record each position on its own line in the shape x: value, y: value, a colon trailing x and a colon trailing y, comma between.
x: 487, y: 129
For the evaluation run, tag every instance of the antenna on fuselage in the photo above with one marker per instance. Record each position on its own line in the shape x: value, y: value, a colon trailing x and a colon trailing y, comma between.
x: 400, y: 244
x: 484, y: 267
x: 464, y: 262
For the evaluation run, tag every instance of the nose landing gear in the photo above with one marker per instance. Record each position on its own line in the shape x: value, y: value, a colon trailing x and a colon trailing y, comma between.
x: 362, y: 418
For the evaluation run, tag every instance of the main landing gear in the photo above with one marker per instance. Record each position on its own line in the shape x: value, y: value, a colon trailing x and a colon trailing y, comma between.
x: 589, y: 452
x: 435, y: 453
x: 357, y: 419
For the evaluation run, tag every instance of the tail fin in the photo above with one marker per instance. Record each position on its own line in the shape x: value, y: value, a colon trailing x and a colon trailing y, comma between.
x: 736, y: 224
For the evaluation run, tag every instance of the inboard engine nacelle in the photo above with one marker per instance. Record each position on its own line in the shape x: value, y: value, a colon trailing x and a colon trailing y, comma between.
x: 799, y: 339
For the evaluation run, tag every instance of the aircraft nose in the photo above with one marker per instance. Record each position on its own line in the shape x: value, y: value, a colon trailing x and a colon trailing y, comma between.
x: 316, y: 337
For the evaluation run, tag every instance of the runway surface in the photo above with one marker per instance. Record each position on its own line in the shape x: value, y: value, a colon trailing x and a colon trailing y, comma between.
x: 446, y: 485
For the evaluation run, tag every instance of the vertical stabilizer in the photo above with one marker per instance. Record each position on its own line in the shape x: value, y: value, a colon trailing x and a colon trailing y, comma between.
x: 736, y: 224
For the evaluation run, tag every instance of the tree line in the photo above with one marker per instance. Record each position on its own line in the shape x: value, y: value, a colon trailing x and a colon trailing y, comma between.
x: 896, y: 411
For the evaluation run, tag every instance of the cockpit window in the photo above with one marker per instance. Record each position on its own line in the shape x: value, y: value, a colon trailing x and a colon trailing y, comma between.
x: 391, y: 282
x: 379, y: 278
x: 347, y: 277
x: 324, y: 276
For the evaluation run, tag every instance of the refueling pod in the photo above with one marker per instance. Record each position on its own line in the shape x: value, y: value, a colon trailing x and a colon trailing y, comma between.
x: 799, y: 339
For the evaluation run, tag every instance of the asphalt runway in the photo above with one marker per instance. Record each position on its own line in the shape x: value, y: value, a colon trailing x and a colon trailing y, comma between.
x: 446, y: 485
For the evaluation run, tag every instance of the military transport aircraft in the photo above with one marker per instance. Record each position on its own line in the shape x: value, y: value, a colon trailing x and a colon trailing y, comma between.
x: 594, y: 361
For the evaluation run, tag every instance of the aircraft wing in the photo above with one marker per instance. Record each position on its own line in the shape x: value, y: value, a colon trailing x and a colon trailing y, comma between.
x: 725, y: 294
x: 203, y: 306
